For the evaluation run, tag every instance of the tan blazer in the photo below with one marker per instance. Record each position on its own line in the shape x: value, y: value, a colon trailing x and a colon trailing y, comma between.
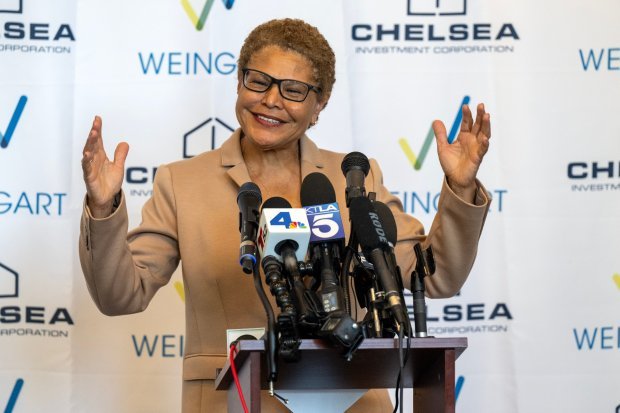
x: 192, y: 218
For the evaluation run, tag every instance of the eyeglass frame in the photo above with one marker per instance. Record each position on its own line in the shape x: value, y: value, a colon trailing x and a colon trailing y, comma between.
x: 278, y: 82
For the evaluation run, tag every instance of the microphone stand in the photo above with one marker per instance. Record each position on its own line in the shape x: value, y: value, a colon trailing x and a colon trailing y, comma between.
x: 365, y: 284
x: 338, y: 324
x: 287, y: 319
x: 424, y: 267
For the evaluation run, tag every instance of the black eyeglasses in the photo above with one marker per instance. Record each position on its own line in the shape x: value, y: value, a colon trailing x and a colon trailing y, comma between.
x: 290, y: 89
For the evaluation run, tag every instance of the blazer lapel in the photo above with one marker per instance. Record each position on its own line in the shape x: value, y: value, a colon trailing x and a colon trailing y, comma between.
x: 232, y: 158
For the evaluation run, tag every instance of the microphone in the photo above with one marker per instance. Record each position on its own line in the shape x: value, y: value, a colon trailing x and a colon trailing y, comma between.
x: 391, y: 234
x: 284, y: 232
x: 355, y: 167
x: 387, y: 220
x: 326, y: 243
x: 386, y: 217
x: 327, y: 236
x: 373, y: 240
x: 283, y: 238
x: 248, y: 199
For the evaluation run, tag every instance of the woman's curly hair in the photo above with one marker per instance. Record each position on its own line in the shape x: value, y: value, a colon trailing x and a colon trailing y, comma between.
x: 300, y: 37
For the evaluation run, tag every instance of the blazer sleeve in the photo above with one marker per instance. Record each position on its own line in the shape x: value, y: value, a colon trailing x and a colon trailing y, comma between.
x: 454, y: 235
x: 123, y: 271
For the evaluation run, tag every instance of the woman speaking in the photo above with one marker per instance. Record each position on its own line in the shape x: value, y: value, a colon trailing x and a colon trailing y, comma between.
x: 286, y: 72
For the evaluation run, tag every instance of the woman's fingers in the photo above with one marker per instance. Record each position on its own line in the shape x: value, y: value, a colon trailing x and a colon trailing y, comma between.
x: 467, y: 122
x: 94, y: 142
x: 440, y: 133
x: 479, y: 116
x: 120, y: 154
x: 485, y: 129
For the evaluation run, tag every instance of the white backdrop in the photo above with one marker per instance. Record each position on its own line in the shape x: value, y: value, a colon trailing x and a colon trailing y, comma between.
x: 541, y: 306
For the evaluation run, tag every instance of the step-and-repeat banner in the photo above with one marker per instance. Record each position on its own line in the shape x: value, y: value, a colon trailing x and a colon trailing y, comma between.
x: 541, y: 307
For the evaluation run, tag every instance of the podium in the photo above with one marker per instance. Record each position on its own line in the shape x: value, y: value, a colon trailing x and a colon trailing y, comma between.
x: 375, y: 364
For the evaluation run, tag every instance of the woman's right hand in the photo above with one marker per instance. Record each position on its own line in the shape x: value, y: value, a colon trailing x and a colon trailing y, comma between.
x: 103, y: 178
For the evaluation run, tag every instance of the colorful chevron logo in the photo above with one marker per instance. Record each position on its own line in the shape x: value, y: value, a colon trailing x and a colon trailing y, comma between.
x: 418, y: 161
x: 616, y: 278
x: 199, y: 21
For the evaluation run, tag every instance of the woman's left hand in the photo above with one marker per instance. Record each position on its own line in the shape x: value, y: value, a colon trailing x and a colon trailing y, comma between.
x: 461, y: 159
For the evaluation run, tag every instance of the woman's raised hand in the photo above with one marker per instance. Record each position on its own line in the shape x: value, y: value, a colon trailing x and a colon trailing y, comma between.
x: 103, y: 178
x: 461, y: 159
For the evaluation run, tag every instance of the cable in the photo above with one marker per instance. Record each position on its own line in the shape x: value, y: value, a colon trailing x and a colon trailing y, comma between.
x: 399, y: 390
x: 233, y: 368
x: 272, y: 333
x: 355, y: 302
x: 282, y: 399
x: 402, y: 365
x: 344, y: 277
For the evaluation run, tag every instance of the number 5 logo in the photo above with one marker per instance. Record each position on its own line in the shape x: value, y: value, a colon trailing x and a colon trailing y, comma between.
x: 323, y: 226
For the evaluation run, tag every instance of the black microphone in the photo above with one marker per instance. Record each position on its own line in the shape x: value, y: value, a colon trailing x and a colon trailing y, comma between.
x: 372, y: 237
x: 391, y: 233
x: 248, y: 199
x: 276, y: 202
x: 355, y: 167
x: 386, y: 217
x: 387, y: 220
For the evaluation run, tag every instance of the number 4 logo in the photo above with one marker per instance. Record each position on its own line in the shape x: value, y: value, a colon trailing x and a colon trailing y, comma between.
x: 283, y: 218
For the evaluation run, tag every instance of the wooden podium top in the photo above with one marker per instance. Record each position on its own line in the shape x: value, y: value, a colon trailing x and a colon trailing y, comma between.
x: 375, y: 364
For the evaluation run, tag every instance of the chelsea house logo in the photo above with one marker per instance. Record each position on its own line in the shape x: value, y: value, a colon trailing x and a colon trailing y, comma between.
x: 436, y: 7
x: 11, y: 6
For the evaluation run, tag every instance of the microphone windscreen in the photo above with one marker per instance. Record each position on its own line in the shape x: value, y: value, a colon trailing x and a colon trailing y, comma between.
x: 317, y: 190
x: 250, y: 191
x: 366, y: 224
x: 355, y: 160
x: 387, y: 220
x: 276, y: 202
